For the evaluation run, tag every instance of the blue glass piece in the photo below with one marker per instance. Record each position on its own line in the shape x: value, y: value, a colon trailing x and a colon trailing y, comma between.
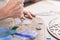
x: 7, y: 38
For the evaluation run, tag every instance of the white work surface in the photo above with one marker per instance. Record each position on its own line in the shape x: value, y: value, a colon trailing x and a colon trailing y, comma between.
x: 44, y: 6
x: 47, y: 11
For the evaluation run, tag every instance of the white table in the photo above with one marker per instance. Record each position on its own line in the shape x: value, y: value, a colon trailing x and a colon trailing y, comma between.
x: 45, y: 8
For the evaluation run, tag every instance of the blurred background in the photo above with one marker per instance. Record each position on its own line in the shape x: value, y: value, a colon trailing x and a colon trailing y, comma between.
x: 29, y: 2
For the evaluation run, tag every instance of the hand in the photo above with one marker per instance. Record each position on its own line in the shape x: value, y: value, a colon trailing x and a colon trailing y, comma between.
x: 12, y: 9
x: 27, y: 14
